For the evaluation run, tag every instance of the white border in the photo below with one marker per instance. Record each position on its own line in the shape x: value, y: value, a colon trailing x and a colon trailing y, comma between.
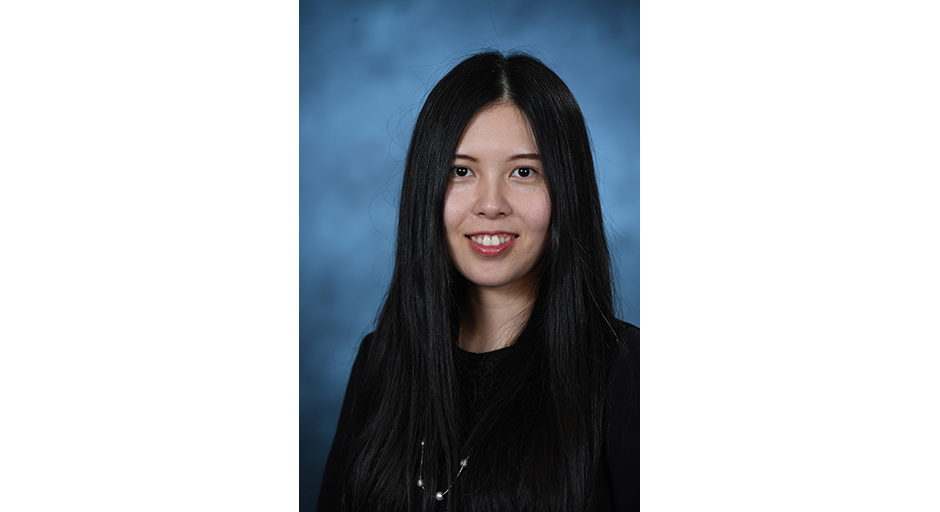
x: 789, y: 261
x: 149, y: 219
x: 149, y: 284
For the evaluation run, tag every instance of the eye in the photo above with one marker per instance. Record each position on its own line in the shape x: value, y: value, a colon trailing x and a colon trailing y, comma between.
x: 460, y: 172
x: 524, y: 172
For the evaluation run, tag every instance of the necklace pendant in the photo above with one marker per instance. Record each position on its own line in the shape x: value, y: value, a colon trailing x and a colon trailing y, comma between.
x: 439, y: 495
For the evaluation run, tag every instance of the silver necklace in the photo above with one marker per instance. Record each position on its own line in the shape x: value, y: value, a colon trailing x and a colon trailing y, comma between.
x: 439, y: 495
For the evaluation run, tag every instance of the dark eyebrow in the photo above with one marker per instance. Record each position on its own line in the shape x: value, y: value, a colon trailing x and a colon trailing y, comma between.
x: 524, y: 156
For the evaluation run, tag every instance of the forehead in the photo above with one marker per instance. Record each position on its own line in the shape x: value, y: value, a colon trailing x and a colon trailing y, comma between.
x: 501, y: 127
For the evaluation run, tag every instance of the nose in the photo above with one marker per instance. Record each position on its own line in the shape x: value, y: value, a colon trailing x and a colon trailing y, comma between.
x: 492, y: 199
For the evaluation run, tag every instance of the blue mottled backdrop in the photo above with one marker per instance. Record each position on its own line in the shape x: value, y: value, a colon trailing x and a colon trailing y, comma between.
x: 365, y: 69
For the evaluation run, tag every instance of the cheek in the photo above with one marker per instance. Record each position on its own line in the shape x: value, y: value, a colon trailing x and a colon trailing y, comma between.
x: 452, y: 215
x: 541, y: 216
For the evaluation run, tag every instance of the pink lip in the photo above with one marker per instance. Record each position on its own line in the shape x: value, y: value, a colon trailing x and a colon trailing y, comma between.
x: 492, y: 250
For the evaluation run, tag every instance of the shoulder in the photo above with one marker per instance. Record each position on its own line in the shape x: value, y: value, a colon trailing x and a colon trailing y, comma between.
x: 622, y: 420
x: 350, y: 421
x: 357, y: 376
x: 362, y: 354
x: 365, y: 344
x: 623, y: 378
x: 626, y: 353
x: 629, y: 335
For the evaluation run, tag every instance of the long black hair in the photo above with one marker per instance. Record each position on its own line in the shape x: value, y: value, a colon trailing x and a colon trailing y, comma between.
x: 541, y: 453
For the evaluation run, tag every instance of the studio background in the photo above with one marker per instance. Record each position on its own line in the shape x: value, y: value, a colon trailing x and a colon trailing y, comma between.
x: 365, y: 70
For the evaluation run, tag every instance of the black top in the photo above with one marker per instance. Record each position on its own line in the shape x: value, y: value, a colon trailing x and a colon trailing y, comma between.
x: 618, y: 486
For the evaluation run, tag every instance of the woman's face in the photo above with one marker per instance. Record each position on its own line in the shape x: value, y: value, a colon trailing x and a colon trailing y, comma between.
x: 497, y: 208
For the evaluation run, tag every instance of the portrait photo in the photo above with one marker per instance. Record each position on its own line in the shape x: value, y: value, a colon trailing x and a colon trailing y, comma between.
x: 366, y: 72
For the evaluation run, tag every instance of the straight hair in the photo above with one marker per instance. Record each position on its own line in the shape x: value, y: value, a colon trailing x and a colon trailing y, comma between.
x: 542, y: 454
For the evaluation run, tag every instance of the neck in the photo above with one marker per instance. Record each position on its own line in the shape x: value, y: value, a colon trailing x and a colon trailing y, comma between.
x: 495, y: 316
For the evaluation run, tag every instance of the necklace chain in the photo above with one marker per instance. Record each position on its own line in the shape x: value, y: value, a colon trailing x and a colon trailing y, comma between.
x: 439, y: 495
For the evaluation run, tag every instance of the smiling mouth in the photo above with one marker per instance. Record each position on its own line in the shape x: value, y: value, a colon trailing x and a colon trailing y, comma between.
x: 491, y: 240
x: 491, y: 244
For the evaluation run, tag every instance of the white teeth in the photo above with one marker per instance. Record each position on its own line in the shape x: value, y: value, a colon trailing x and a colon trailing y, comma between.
x: 490, y: 241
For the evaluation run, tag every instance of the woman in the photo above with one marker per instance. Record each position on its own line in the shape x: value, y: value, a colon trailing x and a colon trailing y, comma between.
x: 498, y: 377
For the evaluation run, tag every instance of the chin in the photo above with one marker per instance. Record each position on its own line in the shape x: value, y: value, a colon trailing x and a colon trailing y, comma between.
x: 501, y: 281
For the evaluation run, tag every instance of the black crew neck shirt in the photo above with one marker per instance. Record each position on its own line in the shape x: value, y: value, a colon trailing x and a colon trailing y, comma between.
x: 618, y: 483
